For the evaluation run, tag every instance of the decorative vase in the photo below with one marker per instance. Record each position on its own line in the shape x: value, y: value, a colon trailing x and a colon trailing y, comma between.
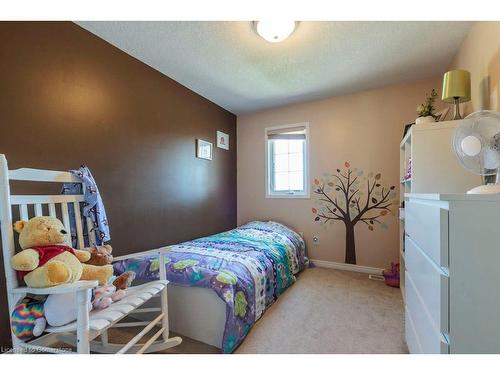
x: 423, y: 120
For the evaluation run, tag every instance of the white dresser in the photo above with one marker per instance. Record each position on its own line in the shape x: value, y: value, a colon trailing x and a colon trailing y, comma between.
x: 452, y: 273
x: 435, y: 168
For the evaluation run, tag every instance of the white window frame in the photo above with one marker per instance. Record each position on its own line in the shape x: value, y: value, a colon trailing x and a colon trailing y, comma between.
x: 294, y: 195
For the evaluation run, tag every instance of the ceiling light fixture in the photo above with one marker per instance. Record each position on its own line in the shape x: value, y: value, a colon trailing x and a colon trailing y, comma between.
x: 275, y: 31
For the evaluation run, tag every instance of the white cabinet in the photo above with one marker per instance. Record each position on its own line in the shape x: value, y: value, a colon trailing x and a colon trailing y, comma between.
x: 434, y: 170
x: 452, y: 273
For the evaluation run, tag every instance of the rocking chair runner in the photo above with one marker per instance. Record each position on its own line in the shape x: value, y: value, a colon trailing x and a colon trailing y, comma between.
x: 88, y: 326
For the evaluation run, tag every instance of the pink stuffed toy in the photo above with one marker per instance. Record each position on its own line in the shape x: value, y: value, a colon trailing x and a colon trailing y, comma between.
x: 106, y: 295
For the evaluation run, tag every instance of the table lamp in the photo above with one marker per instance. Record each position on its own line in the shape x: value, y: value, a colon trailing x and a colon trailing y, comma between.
x: 456, y: 89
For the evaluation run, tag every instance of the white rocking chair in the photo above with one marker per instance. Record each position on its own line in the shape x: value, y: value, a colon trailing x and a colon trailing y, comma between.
x: 88, y: 326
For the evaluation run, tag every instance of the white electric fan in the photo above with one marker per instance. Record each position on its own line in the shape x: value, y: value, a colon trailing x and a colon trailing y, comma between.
x: 476, y: 143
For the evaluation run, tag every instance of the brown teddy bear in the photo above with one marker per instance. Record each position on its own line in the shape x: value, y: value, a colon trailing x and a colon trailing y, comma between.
x: 47, y: 260
x: 101, y: 256
x: 124, y: 280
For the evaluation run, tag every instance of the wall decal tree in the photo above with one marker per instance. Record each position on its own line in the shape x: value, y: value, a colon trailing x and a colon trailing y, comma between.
x: 341, y: 197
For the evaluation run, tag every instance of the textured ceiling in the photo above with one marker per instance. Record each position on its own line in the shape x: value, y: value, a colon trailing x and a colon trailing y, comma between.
x: 227, y: 63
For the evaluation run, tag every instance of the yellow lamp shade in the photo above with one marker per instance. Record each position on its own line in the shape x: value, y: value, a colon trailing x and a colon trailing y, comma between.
x: 456, y: 85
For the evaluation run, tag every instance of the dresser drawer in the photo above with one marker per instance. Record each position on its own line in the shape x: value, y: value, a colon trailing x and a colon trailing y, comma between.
x: 427, y: 225
x: 430, y: 340
x: 431, y: 283
x: 411, y: 335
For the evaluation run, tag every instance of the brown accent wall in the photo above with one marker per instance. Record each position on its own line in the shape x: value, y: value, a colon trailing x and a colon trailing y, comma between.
x: 68, y: 97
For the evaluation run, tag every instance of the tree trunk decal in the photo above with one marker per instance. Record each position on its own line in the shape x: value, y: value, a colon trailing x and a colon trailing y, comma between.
x: 350, y: 244
x: 350, y: 197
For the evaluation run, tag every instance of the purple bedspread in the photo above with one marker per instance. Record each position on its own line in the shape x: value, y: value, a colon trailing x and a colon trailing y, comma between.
x: 248, y: 267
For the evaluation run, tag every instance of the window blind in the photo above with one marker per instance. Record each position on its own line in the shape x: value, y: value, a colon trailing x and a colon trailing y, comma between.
x: 294, y: 132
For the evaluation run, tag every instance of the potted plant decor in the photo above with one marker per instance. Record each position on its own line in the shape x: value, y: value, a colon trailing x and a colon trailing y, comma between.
x: 426, y: 110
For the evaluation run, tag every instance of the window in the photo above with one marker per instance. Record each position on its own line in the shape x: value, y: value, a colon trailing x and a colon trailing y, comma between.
x: 287, y: 156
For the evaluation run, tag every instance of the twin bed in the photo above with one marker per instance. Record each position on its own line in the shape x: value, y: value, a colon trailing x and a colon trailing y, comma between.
x: 242, y: 271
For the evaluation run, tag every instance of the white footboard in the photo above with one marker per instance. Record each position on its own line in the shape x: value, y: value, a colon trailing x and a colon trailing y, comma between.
x: 197, y: 313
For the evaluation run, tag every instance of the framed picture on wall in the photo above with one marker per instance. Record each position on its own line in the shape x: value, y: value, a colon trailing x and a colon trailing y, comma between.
x: 441, y: 115
x: 222, y: 140
x: 203, y: 149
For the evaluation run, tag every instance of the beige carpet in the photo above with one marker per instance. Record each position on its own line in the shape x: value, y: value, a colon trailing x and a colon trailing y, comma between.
x: 330, y: 311
x: 325, y: 311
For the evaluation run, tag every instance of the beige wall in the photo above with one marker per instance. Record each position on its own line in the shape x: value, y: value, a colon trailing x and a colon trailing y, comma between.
x: 364, y: 129
x: 480, y: 54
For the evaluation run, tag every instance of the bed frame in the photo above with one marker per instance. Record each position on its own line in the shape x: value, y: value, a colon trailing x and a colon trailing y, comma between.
x: 89, y: 326
x: 194, y: 312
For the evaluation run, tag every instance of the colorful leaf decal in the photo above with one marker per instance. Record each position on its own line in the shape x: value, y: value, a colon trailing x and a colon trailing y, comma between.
x: 351, y: 197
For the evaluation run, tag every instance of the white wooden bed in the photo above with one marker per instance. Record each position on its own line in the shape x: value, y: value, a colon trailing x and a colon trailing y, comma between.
x: 197, y: 313
x: 89, y: 326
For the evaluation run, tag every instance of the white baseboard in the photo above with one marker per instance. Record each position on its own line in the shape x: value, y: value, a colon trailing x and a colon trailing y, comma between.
x: 346, y: 267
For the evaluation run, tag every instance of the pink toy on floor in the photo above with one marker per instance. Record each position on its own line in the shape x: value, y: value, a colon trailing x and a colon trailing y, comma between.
x: 392, y: 275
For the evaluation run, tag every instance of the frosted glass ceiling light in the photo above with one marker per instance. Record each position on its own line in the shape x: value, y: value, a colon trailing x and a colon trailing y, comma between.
x: 275, y: 31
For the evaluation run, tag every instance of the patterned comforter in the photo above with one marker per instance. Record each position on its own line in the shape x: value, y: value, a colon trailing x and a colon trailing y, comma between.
x: 248, y: 267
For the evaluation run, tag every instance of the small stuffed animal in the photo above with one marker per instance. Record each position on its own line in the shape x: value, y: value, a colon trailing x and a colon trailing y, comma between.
x: 124, y: 280
x: 46, y: 259
x: 28, y: 318
x: 61, y: 309
x: 100, y: 255
x: 106, y: 295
